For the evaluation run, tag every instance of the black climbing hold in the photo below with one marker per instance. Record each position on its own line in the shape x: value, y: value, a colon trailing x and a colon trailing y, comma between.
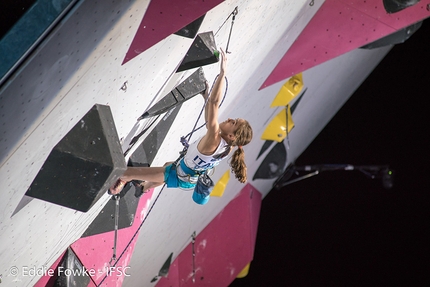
x: 202, y: 52
x: 393, y: 6
x: 190, y: 31
x: 193, y: 85
x: 83, y: 165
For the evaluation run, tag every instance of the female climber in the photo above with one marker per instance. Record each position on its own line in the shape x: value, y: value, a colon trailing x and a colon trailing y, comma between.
x: 204, y: 153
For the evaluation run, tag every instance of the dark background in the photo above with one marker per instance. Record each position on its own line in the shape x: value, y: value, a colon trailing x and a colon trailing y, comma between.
x: 341, y: 228
x: 11, y: 11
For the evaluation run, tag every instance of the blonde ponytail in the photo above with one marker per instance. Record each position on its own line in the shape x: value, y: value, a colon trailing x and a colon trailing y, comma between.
x: 243, y: 136
x: 238, y: 166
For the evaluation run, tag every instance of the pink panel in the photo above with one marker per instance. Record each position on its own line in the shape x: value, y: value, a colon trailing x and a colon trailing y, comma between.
x: 163, y: 18
x: 95, y: 251
x: 399, y: 20
x: 339, y: 27
x: 224, y: 247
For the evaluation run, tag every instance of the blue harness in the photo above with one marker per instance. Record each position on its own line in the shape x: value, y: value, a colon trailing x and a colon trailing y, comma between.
x: 187, y: 170
x: 202, y: 188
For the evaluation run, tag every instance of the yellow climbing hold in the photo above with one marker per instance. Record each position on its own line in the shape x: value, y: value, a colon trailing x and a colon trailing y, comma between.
x: 288, y: 91
x: 244, y: 271
x: 276, y: 130
x: 221, y: 185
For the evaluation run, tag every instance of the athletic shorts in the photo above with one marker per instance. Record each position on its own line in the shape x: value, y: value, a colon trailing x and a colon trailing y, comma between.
x: 171, y: 179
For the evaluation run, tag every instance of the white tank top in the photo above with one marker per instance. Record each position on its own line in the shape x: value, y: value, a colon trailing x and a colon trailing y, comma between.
x: 200, y: 162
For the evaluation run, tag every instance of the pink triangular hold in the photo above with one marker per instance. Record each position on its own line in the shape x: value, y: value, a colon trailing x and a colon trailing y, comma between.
x: 163, y: 18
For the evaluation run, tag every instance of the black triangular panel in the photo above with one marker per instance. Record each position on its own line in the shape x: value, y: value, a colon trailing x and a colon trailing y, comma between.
x: 296, y: 103
x: 397, y: 37
x: 202, y: 52
x: 190, y: 31
x: 274, y: 163
x: 83, y: 165
x: 142, y: 156
x: 72, y: 272
x: 265, y: 146
x: 105, y: 220
x: 393, y: 6
x: 193, y: 85
x: 147, y: 151
x: 164, y: 271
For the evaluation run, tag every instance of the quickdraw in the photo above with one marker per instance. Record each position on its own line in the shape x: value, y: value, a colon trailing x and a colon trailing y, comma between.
x: 234, y: 13
x: 113, y: 259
